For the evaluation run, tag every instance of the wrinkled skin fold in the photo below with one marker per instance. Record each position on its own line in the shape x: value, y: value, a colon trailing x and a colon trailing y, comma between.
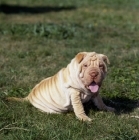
x: 72, y: 86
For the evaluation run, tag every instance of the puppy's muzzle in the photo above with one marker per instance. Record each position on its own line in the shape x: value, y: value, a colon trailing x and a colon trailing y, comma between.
x: 93, y: 74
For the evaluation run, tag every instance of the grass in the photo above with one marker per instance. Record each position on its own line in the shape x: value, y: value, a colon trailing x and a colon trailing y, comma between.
x: 35, y: 44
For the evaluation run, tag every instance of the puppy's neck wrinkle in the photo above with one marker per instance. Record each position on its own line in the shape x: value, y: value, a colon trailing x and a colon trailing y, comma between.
x: 66, y: 74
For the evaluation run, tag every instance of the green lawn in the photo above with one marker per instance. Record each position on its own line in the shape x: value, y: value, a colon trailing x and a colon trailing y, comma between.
x: 38, y: 38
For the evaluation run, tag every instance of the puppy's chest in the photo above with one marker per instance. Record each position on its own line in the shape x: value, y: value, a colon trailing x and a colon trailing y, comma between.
x: 85, y: 98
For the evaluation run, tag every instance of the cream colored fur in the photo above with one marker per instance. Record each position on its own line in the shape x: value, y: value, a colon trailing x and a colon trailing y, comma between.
x: 69, y: 88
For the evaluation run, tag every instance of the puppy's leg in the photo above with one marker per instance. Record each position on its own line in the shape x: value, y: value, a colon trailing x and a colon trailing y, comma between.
x: 78, y: 106
x: 100, y: 104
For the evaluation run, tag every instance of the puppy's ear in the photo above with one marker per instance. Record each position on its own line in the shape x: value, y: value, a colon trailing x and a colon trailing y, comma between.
x: 105, y: 58
x: 80, y: 56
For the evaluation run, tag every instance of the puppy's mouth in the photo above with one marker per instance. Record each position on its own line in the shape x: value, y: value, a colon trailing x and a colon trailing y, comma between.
x: 93, y: 87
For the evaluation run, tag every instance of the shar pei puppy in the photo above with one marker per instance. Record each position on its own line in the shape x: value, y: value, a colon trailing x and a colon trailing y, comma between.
x: 72, y: 86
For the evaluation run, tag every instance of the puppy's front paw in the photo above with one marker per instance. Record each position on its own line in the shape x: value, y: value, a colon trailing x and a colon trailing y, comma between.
x: 84, y: 118
x: 111, y: 109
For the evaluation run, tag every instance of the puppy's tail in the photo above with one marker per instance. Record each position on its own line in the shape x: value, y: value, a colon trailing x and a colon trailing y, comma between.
x: 17, y: 99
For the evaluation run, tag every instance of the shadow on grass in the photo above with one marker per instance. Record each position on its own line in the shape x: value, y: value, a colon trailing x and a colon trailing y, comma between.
x: 17, y: 9
x: 122, y: 105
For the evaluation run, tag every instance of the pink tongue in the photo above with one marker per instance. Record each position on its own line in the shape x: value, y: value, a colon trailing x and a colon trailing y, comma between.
x: 94, y: 87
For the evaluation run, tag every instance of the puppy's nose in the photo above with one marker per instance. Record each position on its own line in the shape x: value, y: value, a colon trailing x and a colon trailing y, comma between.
x: 94, y: 74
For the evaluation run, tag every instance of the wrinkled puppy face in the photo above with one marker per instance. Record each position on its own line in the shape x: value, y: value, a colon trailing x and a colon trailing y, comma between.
x: 92, y: 70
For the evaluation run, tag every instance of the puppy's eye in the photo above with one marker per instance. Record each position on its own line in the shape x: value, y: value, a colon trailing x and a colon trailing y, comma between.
x: 101, y: 66
x: 85, y: 65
